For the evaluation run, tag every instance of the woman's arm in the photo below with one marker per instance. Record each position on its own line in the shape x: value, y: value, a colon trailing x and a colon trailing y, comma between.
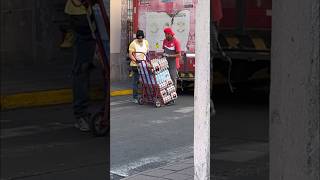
x: 132, y: 58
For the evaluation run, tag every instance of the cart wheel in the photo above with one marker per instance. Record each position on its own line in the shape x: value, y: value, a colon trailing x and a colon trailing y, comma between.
x: 100, y: 125
x: 157, y: 103
x: 140, y: 101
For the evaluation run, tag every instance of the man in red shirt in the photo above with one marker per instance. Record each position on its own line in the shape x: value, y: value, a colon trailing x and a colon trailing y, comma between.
x: 172, y: 50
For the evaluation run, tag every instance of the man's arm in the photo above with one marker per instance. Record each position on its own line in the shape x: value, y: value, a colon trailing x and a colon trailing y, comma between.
x: 178, y: 49
x: 175, y: 55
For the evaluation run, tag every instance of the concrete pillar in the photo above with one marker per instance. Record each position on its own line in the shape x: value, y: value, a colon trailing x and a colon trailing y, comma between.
x: 202, y: 93
x: 124, y: 40
x: 117, y: 19
x: 295, y: 92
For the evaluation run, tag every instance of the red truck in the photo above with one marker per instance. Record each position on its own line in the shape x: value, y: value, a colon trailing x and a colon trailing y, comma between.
x: 244, y: 35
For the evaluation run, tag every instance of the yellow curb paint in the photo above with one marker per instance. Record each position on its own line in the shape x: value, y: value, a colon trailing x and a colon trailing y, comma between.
x: 51, y: 97
x: 121, y: 92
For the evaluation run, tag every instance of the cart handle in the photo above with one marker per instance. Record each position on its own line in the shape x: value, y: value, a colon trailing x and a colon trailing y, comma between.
x: 146, y: 55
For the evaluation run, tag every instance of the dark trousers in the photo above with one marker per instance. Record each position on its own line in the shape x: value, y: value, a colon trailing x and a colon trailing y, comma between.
x: 83, y: 57
x: 173, y: 70
x: 135, y: 82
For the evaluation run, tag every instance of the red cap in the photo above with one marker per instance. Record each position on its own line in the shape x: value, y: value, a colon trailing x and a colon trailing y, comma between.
x: 168, y: 31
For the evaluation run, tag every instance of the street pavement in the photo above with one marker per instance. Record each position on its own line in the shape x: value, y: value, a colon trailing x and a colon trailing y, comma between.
x: 240, y: 160
x: 239, y: 136
x: 144, y: 137
x: 41, y: 143
x: 239, y: 142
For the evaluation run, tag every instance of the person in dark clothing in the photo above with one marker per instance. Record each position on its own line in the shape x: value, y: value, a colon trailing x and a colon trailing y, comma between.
x: 84, y: 50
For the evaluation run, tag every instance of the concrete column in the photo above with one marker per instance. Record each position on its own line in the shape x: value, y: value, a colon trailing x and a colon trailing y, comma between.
x: 118, y: 19
x: 202, y: 93
x: 124, y: 40
x: 295, y: 92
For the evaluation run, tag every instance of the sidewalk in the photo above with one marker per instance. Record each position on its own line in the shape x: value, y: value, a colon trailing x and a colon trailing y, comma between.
x: 233, y: 160
x: 178, y: 171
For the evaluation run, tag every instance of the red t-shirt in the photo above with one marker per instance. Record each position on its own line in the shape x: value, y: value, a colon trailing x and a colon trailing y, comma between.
x: 172, y: 47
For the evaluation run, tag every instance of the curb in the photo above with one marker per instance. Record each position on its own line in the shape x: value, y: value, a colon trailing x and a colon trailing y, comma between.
x: 50, y: 97
x: 178, y: 166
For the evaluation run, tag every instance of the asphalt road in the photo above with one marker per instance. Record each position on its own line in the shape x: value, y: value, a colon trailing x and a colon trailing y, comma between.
x: 242, y: 115
x: 41, y: 143
x: 144, y: 137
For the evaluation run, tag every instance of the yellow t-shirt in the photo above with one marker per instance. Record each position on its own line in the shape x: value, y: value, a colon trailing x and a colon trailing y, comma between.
x: 135, y: 46
x: 74, y: 9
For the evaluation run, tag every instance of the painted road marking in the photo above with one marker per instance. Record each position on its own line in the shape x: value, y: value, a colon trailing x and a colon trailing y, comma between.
x: 5, y: 121
x: 120, y: 102
x: 161, y: 159
x: 185, y: 110
x: 30, y: 130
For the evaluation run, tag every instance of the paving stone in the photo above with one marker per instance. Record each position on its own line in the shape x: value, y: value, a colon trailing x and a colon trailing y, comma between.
x: 189, y: 161
x: 177, y: 176
x: 191, y: 178
x: 158, y: 172
x: 143, y: 177
x: 178, y: 167
x: 189, y: 171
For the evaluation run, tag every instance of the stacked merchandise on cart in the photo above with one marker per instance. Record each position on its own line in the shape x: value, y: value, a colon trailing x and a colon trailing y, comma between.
x: 163, y: 79
x: 146, y: 74
x: 156, y: 81
x: 147, y: 80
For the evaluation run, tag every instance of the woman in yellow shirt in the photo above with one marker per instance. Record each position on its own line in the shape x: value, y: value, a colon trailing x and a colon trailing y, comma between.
x: 137, y: 45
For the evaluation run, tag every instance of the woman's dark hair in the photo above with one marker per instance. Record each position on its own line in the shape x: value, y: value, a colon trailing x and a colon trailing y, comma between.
x: 140, y: 33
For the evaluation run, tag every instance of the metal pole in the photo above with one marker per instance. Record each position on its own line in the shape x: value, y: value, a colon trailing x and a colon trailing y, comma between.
x: 202, y: 93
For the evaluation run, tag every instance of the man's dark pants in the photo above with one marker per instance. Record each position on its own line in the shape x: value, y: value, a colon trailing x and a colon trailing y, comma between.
x: 83, y: 57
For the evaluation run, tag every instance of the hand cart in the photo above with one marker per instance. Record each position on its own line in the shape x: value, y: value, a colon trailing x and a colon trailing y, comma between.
x: 100, y: 120
x: 156, y: 83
